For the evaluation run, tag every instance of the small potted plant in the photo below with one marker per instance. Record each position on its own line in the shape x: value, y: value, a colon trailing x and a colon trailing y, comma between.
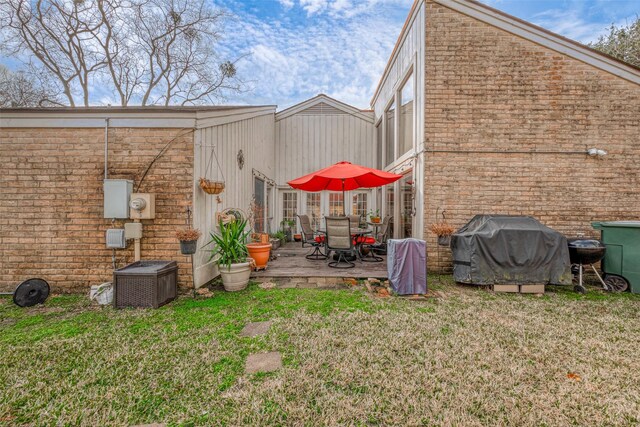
x: 374, y: 216
x: 444, y: 231
x: 287, y: 225
x: 232, y: 257
x: 277, y: 239
x: 188, y: 238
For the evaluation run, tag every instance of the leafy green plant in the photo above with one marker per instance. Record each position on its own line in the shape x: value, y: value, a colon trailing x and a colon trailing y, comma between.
x: 229, y: 243
x: 287, y: 223
x: 279, y: 235
x: 374, y: 213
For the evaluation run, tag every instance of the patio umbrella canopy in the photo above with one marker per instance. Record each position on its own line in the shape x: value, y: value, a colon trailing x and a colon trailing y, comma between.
x: 344, y: 176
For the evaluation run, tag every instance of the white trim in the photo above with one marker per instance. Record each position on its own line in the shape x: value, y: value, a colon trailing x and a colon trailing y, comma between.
x: 396, y: 52
x: 327, y: 100
x: 532, y: 33
x: 154, y: 118
x: 233, y: 116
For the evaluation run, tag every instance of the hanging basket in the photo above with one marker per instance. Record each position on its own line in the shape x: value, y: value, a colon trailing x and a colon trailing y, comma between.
x: 211, y: 187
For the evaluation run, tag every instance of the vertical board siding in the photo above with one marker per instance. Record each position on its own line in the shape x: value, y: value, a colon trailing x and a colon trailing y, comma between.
x: 305, y: 143
x: 255, y: 137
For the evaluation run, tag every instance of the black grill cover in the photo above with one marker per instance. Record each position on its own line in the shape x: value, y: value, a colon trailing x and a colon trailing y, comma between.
x: 501, y: 249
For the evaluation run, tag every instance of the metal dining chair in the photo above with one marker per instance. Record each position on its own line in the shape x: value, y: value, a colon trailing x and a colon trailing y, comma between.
x: 338, y: 229
x: 309, y: 237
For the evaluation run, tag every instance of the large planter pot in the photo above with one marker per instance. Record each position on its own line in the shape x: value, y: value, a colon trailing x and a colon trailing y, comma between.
x: 260, y: 254
x: 188, y: 247
x: 236, y: 277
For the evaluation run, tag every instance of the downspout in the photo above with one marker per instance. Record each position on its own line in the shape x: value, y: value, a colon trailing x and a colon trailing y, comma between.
x: 106, y: 147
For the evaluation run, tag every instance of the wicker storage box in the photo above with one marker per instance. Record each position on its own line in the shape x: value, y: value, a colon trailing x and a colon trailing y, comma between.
x: 145, y: 284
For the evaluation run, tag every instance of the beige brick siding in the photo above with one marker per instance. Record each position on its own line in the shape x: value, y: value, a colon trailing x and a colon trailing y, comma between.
x: 51, y: 223
x: 487, y: 89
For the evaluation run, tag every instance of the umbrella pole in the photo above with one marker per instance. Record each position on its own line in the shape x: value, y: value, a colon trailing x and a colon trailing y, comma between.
x: 344, y: 201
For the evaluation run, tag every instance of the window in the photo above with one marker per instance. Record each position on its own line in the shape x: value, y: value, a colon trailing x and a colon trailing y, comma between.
x: 359, y: 206
x: 389, y: 141
x: 313, y: 210
x: 379, y: 164
x: 259, y: 208
x: 289, y: 206
x: 335, y: 204
x: 405, y: 142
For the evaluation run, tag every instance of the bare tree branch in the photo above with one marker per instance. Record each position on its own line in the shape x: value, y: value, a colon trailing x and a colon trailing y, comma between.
x: 142, y: 51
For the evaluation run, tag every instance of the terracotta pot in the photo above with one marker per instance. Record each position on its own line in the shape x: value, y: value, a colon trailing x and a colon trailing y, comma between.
x: 375, y: 219
x: 260, y: 254
x: 297, y: 237
x: 236, y: 276
x: 264, y: 238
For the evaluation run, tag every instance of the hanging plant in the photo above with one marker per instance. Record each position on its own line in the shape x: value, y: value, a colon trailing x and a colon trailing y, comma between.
x: 188, y: 238
x: 444, y: 231
x: 210, y: 186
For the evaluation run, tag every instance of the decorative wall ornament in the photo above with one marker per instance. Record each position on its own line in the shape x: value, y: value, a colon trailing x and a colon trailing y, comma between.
x: 240, y: 159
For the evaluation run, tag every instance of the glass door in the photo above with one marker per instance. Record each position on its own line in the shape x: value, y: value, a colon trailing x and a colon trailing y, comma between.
x: 389, y: 207
x: 405, y: 220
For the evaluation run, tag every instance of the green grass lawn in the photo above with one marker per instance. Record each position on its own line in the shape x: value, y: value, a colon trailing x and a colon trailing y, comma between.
x: 463, y: 357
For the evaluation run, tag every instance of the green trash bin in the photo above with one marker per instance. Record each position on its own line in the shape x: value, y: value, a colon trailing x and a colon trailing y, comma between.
x: 621, y: 263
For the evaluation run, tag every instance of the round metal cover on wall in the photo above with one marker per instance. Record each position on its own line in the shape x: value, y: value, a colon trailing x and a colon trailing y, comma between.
x: 31, y: 292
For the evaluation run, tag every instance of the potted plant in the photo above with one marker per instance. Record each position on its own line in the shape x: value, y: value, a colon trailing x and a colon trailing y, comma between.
x: 188, y: 238
x: 374, y: 216
x: 229, y: 246
x: 259, y: 251
x: 287, y: 225
x: 277, y: 239
x: 297, y: 237
x: 444, y: 231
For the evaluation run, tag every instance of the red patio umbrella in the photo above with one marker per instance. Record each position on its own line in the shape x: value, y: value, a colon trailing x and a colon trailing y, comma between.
x: 344, y: 176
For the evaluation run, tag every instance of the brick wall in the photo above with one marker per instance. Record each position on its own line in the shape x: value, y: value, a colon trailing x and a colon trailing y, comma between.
x: 51, y: 223
x: 487, y: 89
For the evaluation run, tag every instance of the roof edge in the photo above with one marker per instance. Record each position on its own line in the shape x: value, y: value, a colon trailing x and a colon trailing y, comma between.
x: 544, y: 37
x: 349, y: 109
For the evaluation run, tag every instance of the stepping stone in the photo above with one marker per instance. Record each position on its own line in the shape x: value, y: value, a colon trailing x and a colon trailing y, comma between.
x: 256, y: 328
x: 263, y: 362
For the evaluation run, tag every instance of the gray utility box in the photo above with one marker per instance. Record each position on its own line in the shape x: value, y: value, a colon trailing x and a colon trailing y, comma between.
x: 145, y: 284
x: 117, y: 193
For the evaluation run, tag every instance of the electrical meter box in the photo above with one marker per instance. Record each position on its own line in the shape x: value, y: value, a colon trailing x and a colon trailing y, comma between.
x: 117, y: 193
x: 142, y: 206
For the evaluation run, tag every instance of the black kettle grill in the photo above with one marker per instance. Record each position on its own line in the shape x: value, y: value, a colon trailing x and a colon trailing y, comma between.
x: 586, y: 252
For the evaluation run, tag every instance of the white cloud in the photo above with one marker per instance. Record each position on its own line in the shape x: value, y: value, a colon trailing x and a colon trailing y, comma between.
x: 571, y: 24
x: 287, y: 4
x: 288, y: 62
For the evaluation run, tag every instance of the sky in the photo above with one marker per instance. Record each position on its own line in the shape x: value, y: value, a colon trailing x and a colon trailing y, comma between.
x: 292, y: 50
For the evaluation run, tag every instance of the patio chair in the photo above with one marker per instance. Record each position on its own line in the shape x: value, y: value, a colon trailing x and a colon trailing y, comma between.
x: 355, y: 220
x: 339, y: 241
x: 315, y: 240
x: 380, y: 246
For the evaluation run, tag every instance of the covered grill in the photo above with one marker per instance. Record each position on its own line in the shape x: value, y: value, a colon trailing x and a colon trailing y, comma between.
x: 502, y: 249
